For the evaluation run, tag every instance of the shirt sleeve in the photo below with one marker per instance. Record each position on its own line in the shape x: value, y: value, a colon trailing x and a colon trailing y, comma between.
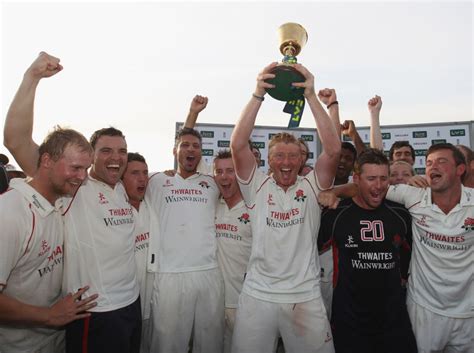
x: 325, y: 231
x: 153, y: 188
x: 12, y: 240
x: 250, y: 187
x: 406, y: 246
x: 405, y: 194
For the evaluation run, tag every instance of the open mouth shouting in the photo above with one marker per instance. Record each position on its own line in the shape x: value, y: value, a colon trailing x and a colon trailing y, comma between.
x: 113, y: 168
x: 435, y: 177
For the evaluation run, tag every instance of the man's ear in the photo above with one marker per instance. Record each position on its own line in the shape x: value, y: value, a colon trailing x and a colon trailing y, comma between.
x: 356, y: 178
x: 460, y: 169
x: 46, y: 160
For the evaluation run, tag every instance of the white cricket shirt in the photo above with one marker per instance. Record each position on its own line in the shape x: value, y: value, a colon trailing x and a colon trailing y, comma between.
x: 100, y: 244
x: 442, y: 260
x: 142, y: 238
x: 184, y: 236
x: 31, y: 259
x: 283, y: 266
x: 234, y: 243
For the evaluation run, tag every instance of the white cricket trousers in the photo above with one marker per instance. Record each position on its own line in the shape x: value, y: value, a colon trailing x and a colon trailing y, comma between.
x: 436, y: 333
x: 183, y: 303
x: 304, y: 327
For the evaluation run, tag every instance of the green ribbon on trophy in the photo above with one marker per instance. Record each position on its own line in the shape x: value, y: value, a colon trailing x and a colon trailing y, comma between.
x: 292, y: 38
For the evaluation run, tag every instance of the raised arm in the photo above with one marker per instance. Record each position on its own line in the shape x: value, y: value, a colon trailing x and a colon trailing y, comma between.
x: 328, y: 97
x: 18, y: 130
x: 244, y: 160
x: 375, y: 105
x: 326, y: 164
x: 349, y: 129
x: 198, y: 104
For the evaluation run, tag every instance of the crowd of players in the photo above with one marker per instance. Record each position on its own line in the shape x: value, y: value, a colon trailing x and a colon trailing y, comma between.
x: 226, y: 258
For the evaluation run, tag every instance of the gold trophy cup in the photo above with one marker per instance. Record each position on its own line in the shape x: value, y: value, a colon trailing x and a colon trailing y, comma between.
x: 292, y: 38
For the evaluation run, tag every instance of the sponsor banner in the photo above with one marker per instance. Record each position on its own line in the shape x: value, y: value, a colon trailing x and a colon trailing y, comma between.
x: 421, y: 137
x: 217, y: 137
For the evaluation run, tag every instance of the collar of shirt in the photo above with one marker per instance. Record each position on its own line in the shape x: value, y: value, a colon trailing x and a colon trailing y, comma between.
x: 38, y: 202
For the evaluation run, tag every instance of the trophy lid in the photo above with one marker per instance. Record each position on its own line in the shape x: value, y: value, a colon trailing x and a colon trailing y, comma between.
x: 292, y: 37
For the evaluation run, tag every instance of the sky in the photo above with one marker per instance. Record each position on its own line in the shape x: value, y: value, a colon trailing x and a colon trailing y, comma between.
x: 137, y: 66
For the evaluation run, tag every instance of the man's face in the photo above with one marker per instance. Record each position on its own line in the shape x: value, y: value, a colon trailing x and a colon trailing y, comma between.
x: 304, y: 152
x: 400, y: 173
x: 188, y: 154
x: 257, y: 155
x: 285, y: 161
x: 469, y: 166
x: 135, y: 180
x: 224, y: 175
x: 110, y: 159
x: 68, y: 172
x: 441, y: 170
x: 373, y: 185
x: 403, y: 154
x: 346, y: 164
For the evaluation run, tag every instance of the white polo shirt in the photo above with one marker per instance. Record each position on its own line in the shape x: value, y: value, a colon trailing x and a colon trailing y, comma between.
x: 142, y: 238
x: 31, y: 259
x: 442, y: 261
x: 234, y: 243
x: 100, y: 244
x: 184, y: 238
x: 284, y: 267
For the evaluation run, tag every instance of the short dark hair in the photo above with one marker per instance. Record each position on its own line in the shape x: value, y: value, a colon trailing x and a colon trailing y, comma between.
x: 399, y: 144
x: 187, y: 131
x: 135, y: 157
x: 370, y: 156
x: 349, y: 146
x: 108, y: 131
x: 457, y: 154
x: 223, y: 154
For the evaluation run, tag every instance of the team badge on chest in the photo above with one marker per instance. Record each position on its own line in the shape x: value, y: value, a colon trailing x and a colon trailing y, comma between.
x: 300, y: 196
x: 245, y: 218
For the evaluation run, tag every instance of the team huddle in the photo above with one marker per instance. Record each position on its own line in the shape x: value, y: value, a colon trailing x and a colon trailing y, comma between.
x: 96, y: 255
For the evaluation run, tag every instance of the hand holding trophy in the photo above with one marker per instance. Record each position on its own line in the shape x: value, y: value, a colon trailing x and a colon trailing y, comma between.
x: 292, y: 37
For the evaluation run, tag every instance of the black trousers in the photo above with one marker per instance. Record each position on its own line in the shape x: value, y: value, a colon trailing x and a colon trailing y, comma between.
x: 117, y: 331
x: 395, y: 340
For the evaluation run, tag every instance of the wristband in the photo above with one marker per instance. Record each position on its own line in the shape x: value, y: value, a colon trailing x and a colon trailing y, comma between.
x: 331, y: 104
x: 260, y: 98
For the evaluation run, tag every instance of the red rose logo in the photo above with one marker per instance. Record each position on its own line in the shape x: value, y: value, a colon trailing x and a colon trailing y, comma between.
x: 245, y: 218
x: 469, y: 221
x: 300, y: 196
x: 468, y: 224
